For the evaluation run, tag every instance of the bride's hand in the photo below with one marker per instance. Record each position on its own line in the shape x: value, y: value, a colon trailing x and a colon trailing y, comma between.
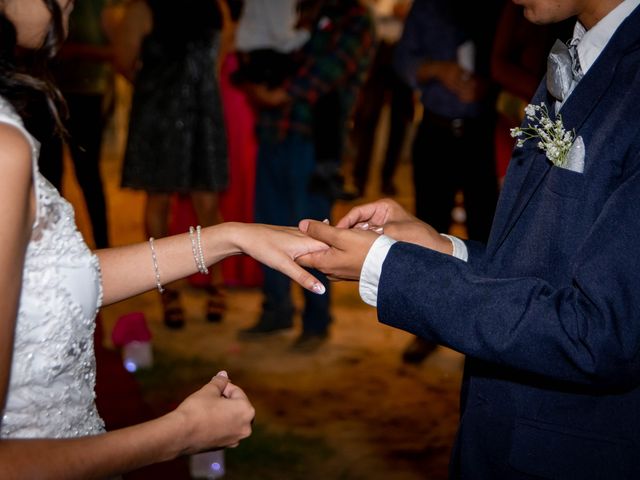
x: 216, y: 416
x: 278, y: 248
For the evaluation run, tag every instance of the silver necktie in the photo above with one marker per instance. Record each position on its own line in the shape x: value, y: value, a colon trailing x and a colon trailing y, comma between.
x: 563, y: 68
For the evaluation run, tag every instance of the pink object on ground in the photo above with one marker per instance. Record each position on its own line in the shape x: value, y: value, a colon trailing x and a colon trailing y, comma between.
x: 131, y: 327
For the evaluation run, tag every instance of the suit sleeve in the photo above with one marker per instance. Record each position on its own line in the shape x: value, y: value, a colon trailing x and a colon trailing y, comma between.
x: 587, y: 332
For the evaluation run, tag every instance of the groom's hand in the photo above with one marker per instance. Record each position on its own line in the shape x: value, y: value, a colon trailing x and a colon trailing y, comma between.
x: 418, y: 232
x: 388, y: 217
x: 377, y: 214
x: 347, y: 251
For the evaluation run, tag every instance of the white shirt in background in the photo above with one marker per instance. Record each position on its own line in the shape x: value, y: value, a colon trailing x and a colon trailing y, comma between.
x: 270, y: 24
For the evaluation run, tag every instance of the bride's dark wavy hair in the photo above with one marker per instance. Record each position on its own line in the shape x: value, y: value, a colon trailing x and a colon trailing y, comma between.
x: 24, y: 75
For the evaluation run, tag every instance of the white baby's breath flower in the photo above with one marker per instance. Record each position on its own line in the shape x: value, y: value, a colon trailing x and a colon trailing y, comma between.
x: 553, y: 139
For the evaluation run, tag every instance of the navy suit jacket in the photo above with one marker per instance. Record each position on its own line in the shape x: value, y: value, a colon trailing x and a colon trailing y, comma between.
x: 548, y: 313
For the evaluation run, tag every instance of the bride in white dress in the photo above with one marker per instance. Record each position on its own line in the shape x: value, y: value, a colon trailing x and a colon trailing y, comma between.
x: 52, y: 286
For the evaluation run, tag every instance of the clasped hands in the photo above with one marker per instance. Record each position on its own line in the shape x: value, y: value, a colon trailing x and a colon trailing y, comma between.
x: 338, y: 251
x: 465, y: 85
x: 350, y: 240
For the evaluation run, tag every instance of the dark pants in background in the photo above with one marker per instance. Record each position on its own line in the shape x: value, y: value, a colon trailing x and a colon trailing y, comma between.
x: 85, y: 125
x: 451, y: 155
x: 284, y: 170
x: 383, y: 84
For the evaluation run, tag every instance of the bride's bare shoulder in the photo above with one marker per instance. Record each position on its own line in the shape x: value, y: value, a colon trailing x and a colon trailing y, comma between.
x: 15, y: 157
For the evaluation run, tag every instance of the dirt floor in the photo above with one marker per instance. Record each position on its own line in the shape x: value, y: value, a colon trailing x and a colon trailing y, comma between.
x: 351, y: 410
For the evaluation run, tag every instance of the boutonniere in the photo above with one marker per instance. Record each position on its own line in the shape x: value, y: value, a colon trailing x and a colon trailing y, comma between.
x: 552, y: 137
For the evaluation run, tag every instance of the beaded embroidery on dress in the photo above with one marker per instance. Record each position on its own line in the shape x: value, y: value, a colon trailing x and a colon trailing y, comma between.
x: 51, y: 389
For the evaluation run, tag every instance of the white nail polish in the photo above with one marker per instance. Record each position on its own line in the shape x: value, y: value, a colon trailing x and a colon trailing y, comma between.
x: 326, y: 220
x: 319, y: 288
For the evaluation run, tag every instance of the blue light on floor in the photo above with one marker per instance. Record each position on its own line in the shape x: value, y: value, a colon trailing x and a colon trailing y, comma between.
x: 130, y: 366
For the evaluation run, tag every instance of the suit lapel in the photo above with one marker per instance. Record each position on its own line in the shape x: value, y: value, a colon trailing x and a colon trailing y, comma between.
x: 523, y: 180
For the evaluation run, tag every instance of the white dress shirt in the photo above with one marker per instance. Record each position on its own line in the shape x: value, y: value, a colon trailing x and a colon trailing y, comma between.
x: 593, y: 41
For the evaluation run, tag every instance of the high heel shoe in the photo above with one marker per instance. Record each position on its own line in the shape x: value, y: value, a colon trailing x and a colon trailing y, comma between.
x: 173, y: 312
x: 216, y: 304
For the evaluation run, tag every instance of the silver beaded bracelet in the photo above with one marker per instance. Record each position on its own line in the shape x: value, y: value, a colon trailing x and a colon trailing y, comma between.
x: 196, y: 249
x: 154, y: 259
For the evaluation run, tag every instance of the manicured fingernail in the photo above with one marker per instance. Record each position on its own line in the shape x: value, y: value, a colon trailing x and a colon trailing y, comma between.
x: 364, y: 226
x: 326, y: 220
x: 222, y: 373
x: 319, y: 288
x: 379, y: 230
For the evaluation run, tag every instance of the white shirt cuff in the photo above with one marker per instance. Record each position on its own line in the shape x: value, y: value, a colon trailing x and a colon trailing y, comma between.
x: 372, y: 269
x: 460, y: 250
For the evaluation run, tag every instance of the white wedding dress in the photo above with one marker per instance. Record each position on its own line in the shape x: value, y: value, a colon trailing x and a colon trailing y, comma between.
x: 51, y: 389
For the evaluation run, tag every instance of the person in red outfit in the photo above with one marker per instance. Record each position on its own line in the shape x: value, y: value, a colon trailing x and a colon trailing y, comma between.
x: 518, y: 62
x: 237, y: 201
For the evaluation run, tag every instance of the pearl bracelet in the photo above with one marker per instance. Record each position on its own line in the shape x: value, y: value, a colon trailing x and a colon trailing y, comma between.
x: 154, y: 259
x: 196, y: 249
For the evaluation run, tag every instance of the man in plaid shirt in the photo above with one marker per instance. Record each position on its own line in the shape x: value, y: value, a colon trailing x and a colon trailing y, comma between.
x: 293, y: 133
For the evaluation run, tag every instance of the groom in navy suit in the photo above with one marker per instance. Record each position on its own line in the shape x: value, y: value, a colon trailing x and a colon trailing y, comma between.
x: 548, y: 312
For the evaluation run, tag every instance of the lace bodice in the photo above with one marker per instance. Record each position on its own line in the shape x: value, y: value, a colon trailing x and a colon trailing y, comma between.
x: 51, y: 390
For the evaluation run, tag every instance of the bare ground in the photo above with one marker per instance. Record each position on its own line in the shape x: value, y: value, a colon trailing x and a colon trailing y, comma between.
x: 362, y: 413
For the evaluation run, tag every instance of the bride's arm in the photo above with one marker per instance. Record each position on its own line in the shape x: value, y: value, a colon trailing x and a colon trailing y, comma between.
x: 15, y: 228
x: 218, y: 415
x: 130, y: 270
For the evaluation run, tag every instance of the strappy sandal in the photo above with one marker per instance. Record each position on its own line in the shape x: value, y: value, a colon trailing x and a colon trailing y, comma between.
x: 216, y: 304
x: 173, y: 312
